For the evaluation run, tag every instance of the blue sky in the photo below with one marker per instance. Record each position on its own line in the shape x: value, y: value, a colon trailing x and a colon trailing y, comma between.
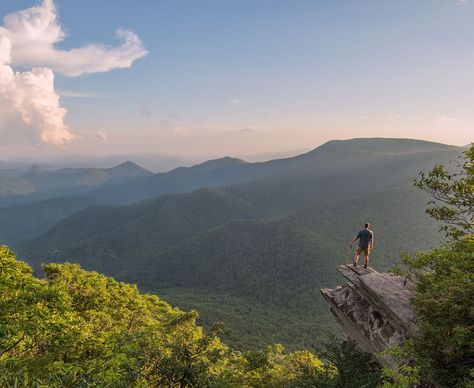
x: 246, y: 77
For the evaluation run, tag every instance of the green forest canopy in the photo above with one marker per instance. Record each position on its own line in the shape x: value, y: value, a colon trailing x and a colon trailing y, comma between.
x: 81, y: 328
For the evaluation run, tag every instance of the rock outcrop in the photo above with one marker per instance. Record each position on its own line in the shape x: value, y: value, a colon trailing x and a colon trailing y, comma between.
x: 373, y: 309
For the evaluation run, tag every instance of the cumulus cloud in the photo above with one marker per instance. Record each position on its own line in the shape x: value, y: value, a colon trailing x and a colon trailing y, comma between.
x: 33, y: 33
x: 29, y: 104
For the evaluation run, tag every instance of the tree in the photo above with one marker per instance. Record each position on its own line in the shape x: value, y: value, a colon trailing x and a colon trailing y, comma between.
x: 443, y: 349
x: 80, y: 328
x: 453, y: 196
x: 354, y: 368
x: 442, y: 352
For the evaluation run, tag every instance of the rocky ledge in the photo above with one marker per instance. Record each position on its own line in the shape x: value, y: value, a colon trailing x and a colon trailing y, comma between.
x: 373, y: 309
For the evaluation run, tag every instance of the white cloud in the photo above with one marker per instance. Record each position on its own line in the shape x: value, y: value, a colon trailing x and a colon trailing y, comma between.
x: 30, y: 110
x: 29, y: 103
x: 33, y: 32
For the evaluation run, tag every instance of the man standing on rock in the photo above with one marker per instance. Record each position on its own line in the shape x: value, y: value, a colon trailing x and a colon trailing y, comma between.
x: 366, y: 244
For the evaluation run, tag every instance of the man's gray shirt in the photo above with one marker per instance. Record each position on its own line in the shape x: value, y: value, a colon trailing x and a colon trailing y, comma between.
x: 365, y: 236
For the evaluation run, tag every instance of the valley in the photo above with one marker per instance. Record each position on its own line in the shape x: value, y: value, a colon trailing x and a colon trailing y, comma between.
x: 248, y: 244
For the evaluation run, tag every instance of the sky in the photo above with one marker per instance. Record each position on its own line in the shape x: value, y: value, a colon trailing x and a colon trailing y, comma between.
x: 235, y: 77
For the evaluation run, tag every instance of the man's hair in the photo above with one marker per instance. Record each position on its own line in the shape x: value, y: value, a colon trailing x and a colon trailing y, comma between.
x: 366, y: 224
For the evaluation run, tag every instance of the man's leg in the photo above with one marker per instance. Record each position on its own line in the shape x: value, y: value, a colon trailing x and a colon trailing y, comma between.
x: 366, y: 255
x: 356, y: 257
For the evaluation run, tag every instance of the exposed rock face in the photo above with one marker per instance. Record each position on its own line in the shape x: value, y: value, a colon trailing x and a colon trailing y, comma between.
x: 373, y: 309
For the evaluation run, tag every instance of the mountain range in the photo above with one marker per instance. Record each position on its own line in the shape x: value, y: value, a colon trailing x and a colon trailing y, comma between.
x: 235, y: 239
x: 40, y: 182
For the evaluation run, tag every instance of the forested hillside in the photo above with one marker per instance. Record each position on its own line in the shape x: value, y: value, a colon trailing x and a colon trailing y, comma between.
x: 139, y: 230
x: 27, y: 220
x: 78, y: 328
x: 266, y: 245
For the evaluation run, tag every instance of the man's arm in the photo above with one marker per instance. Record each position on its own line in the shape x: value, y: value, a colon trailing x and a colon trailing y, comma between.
x: 372, y: 241
x: 355, y: 238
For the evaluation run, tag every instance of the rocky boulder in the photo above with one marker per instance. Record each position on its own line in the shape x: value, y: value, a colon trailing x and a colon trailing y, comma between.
x: 373, y: 309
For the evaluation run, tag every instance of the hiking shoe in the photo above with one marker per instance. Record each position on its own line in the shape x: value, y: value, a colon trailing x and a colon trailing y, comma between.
x: 365, y: 266
x: 355, y: 264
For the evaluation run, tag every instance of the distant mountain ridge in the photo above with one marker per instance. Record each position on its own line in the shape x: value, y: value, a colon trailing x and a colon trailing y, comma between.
x: 38, y: 183
x: 78, y: 177
x: 312, y: 170
x: 269, y: 236
x: 385, y: 145
x: 230, y: 171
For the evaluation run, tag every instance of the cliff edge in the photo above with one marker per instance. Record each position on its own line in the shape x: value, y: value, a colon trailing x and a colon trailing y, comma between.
x: 373, y: 309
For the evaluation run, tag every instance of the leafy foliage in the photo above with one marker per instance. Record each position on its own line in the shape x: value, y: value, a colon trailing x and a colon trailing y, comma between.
x: 453, y: 195
x: 442, y: 353
x: 355, y: 368
x: 444, y: 347
x: 400, y: 376
x: 79, y: 328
